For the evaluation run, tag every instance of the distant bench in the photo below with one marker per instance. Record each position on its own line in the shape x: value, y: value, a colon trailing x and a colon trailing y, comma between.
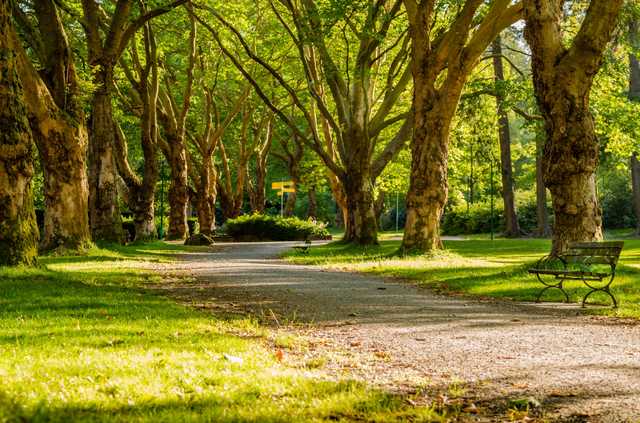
x: 304, y: 246
x: 602, y: 256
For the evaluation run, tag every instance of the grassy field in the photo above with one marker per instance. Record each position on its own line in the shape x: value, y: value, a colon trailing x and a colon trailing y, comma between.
x: 83, y: 339
x: 482, y: 267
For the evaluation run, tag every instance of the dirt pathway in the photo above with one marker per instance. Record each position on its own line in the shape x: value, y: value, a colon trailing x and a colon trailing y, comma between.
x: 473, y: 353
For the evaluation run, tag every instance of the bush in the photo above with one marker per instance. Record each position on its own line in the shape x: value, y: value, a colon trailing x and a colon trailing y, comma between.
x: 478, y: 220
x: 273, y: 227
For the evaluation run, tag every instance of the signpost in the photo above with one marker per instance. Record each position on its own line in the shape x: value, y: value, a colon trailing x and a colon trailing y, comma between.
x: 281, y: 186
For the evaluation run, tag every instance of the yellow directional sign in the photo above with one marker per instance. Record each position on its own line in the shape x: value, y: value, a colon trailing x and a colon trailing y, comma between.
x: 278, y: 185
x: 279, y: 193
x: 289, y: 190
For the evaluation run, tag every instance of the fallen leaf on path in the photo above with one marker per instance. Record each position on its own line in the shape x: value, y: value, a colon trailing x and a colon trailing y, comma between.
x: 518, y: 415
x: 381, y: 288
x: 562, y: 394
x: 356, y: 344
x: 515, y: 320
x: 383, y: 355
x: 351, y: 322
x: 279, y: 355
x: 508, y: 358
x: 522, y: 386
x: 352, y: 314
x: 473, y: 409
x: 420, y: 339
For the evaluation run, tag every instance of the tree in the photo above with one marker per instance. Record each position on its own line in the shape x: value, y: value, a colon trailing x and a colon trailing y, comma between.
x: 139, y: 195
x: 103, y: 54
x: 508, y: 190
x: 436, y: 96
x: 562, y: 80
x: 634, y: 94
x: 18, y: 230
x: 173, y: 119
x: 58, y: 126
x: 350, y: 134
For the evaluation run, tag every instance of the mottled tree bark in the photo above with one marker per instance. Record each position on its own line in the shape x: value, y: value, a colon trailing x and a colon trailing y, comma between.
x: 544, y: 227
x: 635, y: 183
x: 435, y: 102
x: 204, y: 199
x: 290, y: 204
x: 562, y: 80
x: 57, y: 123
x: 508, y: 190
x: 18, y: 230
x: 379, y: 208
x: 312, y: 206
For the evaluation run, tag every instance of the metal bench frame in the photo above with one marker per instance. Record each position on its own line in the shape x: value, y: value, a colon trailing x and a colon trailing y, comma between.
x: 303, y: 246
x: 585, y: 254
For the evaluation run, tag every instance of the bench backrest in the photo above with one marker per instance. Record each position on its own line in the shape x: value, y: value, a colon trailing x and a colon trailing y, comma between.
x: 601, y: 252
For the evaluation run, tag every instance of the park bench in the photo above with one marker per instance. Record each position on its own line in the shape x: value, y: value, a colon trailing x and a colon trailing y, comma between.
x: 588, y: 262
x: 303, y: 246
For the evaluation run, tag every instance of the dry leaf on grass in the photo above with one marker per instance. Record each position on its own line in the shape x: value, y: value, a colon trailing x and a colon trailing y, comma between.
x: 279, y: 355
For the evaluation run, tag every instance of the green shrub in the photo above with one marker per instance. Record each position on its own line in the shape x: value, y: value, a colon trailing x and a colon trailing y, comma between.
x: 273, y: 227
x: 478, y: 220
x: 458, y: 221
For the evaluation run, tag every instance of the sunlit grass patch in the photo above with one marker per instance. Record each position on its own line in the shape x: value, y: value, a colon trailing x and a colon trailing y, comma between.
x: 83, y: 338
x: 481, y: 267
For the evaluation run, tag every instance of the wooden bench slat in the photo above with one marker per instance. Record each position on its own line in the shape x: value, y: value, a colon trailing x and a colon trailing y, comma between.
x: 567, y: 273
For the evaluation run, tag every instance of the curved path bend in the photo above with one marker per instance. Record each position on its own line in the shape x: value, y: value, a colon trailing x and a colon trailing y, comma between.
x: 406, y: 337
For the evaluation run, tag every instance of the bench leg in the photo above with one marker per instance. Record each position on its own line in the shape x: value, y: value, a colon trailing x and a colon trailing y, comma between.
x: 558, y: 286
x: 605, y: 290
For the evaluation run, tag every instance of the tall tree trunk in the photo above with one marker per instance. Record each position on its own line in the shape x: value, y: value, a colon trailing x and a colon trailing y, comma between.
x: 178, y: 190
x: 634, y: 94
x: 429, y: 185
x: 360, y: 221
x: 312, y: 206
x: 338, y: 221
x: 472, y: 181
x: 62, y: 144
x: 379, y: 207
x: 58, y: 125
x: 18, y: 229
x: 562, y: 80
x: 291, y: 202
x: 104, y: 207
x: 544, y: 227
x: 635, y: 183
x: 204, y: 200
x: 508, y: 191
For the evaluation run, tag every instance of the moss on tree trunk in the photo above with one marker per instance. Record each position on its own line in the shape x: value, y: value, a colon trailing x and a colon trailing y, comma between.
x: 18, y: 230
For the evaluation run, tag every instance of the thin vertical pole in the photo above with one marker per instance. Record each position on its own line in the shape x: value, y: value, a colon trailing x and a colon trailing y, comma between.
x: 397, y: 200
x: 491, y: 199
x: 282, y: 200
x: 162, y: 204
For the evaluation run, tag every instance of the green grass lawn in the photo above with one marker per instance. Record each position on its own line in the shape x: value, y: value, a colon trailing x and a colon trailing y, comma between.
x: 482, y: 267
x: 83, y: 339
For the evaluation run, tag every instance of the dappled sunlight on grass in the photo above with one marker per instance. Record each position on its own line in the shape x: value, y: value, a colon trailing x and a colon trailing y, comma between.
x: 82, y: 338
x: 482, y: 267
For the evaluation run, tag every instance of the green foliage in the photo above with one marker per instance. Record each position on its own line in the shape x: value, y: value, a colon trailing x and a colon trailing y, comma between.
x: 616, y: 200
x: 274, y: 227
x: 477, y: 220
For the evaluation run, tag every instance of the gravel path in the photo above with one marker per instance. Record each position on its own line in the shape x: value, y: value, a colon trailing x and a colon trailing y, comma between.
x: 452, y: 350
